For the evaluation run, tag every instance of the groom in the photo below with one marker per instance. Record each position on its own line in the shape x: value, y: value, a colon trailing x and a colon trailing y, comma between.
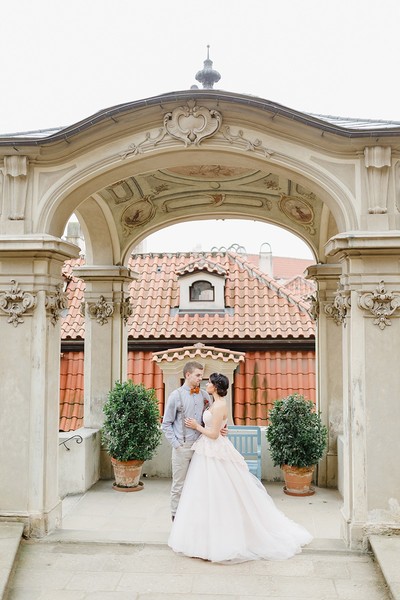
x: 188, y: 401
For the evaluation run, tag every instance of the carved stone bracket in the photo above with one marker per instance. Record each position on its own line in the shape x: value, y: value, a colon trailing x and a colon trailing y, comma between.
x: 337, y: 310
x: 100, y: 310
x: 56, y: 304
x: 15, y: 303
x: 381, y: 304
x: 377, y: 161
x: 126, y: 310
x: 190, y: 124
x: 15, y: 186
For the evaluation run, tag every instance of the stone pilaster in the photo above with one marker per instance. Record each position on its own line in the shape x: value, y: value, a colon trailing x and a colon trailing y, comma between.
x: 371, y: 378
x: 106, y: 309
x: 329, y: 367
x: 31, y: 303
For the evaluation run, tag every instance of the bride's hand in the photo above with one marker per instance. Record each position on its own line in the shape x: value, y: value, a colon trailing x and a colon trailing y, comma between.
x: 191, y: 423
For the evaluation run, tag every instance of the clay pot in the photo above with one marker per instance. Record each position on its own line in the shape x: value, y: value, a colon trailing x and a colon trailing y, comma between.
x: 127, y: 474
x: 298, y: 480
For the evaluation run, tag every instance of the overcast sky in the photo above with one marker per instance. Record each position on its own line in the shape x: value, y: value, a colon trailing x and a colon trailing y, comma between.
x: 62, y: 61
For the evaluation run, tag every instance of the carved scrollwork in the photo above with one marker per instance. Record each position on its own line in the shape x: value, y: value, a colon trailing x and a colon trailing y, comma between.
x: 190, y: 124
x: 100, y: 310
x: 56, y: 304
x: 252, y: 146
x: 381, y: 304
x: 126, y: 310
x: 337, y: 310
x: 15, y: 303
x: 313, y: 302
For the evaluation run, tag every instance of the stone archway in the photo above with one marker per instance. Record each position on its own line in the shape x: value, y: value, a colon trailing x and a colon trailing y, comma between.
x: 193, y: 155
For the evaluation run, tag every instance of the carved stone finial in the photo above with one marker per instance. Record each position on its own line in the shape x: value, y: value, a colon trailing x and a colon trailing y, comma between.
x: 381, y: 304
x: 15, y: 303
x: 101, y: 310
x: 208, y: 76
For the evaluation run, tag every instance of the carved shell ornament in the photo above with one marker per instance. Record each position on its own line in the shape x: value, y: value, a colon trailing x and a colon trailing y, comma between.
x: 192, y: 124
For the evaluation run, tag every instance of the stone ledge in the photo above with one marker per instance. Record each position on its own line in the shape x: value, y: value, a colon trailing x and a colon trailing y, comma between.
x: 386, y: 550
x: 10, y: 537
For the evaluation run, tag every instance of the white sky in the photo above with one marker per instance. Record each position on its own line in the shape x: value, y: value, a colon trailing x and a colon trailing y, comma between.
x: 62, y: 61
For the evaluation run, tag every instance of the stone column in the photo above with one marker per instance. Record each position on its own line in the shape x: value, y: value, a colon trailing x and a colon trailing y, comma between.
x: 329, y: 366
x: 370, y: 300
x: 31, y: 303
x: 106, y: 310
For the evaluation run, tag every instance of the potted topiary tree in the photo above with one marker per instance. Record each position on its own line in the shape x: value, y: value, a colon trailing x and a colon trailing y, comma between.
x: 131, y: 432
x: 297, y: 440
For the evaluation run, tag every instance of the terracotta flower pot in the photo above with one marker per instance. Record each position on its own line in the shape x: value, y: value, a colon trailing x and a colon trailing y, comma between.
x: 298, y: 480
x: 127, y: 474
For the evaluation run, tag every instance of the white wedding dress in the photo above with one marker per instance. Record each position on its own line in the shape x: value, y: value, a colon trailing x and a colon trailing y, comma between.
x: 225, y: 513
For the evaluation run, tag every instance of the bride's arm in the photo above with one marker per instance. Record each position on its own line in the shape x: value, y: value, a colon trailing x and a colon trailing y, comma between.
x: 217, y: 420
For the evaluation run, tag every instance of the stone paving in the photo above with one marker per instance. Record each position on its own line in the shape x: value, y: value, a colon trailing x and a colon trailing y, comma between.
x: 112, y: 546
x: 84, y: 571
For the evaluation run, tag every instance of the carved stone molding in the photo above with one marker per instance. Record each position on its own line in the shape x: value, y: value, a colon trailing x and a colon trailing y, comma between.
x: 337, y: 310
x: 377, y: 161
x: 100, y: 310
x: 189, y: 124
x: 381, y: 304
x: 56, y: 304
x: 126, y: 310
x: 192, y: 124
x: 240, y: 140
x: 15, y: 186
x: 15, y: 303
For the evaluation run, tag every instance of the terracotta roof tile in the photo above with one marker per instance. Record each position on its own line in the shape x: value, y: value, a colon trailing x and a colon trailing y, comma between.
x: 268, y: 376
x: 259, y: 379
x: 71, y: 391
x: 261, y: 306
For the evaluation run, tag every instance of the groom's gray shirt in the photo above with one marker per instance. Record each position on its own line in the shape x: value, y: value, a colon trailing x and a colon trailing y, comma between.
x: 193, y: 407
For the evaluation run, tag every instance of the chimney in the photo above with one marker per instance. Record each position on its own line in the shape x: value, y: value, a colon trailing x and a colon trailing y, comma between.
x: 265, y: 260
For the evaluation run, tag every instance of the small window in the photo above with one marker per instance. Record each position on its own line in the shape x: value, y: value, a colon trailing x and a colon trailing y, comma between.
x: 202, y: 291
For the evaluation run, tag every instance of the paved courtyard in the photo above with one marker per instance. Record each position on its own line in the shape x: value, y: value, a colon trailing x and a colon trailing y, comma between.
x: 112, y: 546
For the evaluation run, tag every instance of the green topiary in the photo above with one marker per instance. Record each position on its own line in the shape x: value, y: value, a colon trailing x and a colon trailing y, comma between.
x: 295, y: 433
x: 131, y: 429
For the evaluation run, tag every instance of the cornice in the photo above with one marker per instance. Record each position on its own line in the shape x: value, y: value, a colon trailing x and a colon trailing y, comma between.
x: 111, y: 115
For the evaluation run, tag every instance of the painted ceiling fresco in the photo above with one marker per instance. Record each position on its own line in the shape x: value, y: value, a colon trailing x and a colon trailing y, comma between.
x: 186, y: 192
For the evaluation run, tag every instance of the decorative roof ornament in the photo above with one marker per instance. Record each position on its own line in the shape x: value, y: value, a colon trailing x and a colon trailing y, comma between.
x: 208, y: 76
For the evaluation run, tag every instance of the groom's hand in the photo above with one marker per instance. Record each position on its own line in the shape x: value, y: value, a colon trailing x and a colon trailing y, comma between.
x: 224, y: 430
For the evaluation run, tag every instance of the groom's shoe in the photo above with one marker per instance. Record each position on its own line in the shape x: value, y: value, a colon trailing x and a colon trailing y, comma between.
x: 173, y: 518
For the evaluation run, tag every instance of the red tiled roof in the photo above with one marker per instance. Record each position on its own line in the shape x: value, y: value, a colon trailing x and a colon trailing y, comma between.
x: 284, y: 267
x: 260, y: 306
x: 71, y: 391
x: 259, y: 379
x: 267, y: 376
x: 300, y: 287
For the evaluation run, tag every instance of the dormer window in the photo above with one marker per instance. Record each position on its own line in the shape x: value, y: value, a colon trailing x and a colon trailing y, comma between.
x: 202, y: 291
x: 202, y: 287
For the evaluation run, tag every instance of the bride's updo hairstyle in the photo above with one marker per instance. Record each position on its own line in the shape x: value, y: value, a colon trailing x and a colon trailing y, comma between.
x: 220, y: 382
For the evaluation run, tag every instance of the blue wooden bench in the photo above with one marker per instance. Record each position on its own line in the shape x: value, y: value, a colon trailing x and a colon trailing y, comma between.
x: 247, y: 441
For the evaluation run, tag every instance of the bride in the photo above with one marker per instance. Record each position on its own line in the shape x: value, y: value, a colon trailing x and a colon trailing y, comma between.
x: 225, y: 513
